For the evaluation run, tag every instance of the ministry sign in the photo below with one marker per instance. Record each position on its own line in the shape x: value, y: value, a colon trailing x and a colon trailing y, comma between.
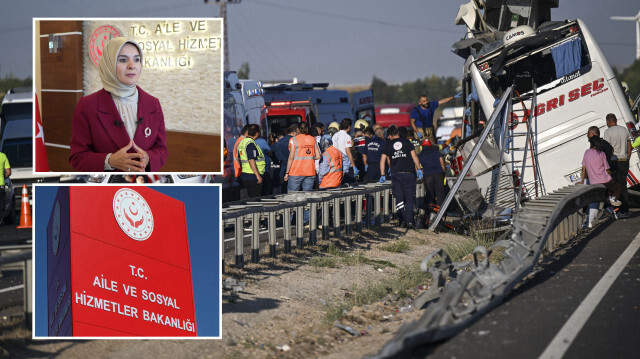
x: 129, y: 271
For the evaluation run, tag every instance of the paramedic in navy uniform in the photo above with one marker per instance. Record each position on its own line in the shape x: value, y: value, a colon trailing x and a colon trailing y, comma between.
x: 404, y: 165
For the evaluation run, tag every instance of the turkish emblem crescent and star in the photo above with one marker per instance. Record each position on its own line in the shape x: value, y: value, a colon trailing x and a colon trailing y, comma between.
x: 133, y: 214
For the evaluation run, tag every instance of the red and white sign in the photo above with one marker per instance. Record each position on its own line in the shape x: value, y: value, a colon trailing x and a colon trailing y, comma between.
x: 130, y: 264
x: 133, y: 214
x: 98, y: 39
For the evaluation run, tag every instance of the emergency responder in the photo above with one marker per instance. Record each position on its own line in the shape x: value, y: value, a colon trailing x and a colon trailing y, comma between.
x: 374, y: 148
x: 421, y: 117
x: 333, y: 164
x: 281, y: 150
x: 301, y: 168
x: 404, y: 166
x: 342, y: 141
x: 253, y: 162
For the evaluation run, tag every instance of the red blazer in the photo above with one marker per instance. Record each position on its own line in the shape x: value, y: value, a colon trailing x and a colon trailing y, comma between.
x: 97, y: 130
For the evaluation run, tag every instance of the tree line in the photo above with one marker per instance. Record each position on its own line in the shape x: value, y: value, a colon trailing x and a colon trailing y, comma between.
x: 408, y: 92
x: 9, y: 81
x: 630, y: 75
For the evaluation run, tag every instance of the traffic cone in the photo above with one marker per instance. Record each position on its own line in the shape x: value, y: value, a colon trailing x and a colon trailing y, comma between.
x: 25, y: 212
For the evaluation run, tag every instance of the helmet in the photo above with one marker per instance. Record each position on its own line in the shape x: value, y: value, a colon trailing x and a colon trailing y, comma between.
x: 325, y: 142
x: 426, y: 143
x: 361, y: 124
x: 333, y: 128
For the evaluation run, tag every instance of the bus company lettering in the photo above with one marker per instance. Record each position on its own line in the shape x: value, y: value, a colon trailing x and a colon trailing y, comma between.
x: 591, y: 89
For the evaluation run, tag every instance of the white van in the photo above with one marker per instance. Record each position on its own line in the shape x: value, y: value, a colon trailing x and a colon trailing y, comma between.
x: 17, y: 141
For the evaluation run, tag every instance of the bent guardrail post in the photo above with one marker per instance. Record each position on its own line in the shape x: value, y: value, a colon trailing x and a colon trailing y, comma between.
x: 468, y: 296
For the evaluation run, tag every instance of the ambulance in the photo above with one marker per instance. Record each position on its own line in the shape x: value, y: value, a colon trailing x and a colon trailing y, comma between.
x: 288, y: 104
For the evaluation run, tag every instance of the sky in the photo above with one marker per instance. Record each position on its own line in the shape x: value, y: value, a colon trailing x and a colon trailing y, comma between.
x: 203, y: 218
x: 343, y: 42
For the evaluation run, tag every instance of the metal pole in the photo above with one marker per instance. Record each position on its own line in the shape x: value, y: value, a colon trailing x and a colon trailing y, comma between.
x: 348, y: 228
x: 286, y: 220
x: 299, y: 226
x: 472, y: 157
x: 325, y: 219
x: 359, y: 212
x: 239, y: 233
x: 272, y: 234
x: 313, y: 223
x: 336, y: 217
x: 255, y: 238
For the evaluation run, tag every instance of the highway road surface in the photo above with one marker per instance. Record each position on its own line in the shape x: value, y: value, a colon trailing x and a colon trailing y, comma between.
x: 583, y: 304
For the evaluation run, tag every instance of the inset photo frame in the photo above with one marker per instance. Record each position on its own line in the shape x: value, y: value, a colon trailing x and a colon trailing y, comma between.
x: 155, y: 106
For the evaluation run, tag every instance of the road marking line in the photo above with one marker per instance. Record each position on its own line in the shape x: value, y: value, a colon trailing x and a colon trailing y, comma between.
x: 572, y: 327
x: 12, y: 288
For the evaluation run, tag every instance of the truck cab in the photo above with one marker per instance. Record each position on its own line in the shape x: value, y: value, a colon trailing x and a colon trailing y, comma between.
x: 293, y: 103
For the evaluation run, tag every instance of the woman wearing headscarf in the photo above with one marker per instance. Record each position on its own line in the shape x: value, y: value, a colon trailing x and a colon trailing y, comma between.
x: 121, y: 127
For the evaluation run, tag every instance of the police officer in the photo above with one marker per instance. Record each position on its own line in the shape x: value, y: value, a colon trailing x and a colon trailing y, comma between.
x: 252, y: 161
x: 404, y: 166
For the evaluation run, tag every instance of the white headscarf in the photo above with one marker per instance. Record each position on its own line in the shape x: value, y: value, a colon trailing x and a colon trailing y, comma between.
x: 107, y: 67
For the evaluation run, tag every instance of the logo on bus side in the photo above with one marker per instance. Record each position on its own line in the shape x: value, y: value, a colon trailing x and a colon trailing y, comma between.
x: 133, y: 214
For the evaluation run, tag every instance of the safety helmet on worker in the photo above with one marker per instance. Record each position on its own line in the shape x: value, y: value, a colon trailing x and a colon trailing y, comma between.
x: 361, y: 124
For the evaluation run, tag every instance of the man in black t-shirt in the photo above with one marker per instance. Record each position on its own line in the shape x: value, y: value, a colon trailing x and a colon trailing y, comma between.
x: 404, y: 165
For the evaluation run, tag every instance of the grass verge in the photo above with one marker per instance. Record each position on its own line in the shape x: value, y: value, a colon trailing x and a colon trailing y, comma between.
x: 406, y: 278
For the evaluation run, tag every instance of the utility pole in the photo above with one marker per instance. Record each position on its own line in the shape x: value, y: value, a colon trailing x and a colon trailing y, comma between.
x: 223, y: 14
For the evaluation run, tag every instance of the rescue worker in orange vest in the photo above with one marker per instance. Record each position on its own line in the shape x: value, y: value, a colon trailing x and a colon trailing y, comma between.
x: 333, y: 164
x: 301, y: 168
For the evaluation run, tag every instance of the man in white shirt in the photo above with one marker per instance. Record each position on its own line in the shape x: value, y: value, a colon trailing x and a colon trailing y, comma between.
x: 620, y: 139
x: 342, y: 141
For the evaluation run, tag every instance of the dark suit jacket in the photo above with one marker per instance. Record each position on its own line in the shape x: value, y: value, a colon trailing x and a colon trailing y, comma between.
x: 94, y: 132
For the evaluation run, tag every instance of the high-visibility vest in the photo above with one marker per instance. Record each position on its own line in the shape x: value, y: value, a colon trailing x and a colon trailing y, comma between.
x: 237, y: 167
x: 333, y: 178
x: 244, y: 160
x: 304, y: 150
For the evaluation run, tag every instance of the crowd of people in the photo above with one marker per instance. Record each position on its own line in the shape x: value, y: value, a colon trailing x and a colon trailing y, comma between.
x: 303, y: 158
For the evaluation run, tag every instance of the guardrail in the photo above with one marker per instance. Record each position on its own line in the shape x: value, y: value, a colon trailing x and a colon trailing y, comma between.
x: 463, y: 292
x: 340, y: 210
x: 27, y: 274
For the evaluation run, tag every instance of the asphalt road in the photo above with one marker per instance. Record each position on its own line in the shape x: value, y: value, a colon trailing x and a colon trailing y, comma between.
x: 11, y: 277
x: 583, y: 304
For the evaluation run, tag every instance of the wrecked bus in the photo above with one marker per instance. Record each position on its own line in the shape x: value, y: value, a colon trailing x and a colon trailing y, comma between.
x: 560, y: 65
